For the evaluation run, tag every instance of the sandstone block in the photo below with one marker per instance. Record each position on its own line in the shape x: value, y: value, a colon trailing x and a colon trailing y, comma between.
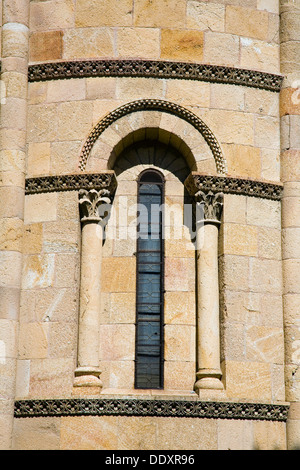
x: 66, y: 270
x: 243, y: 160
x: 179, y: 375
x: 271, y: 6
x: 265, y: 344
x: 15, y: 84
x: 234, y: 272
x: 88, y: 432
x: 248, y: 380
x: 186, y: 92
x: 270, y: 164
x: 40, y: 208
x: 227, y: 97
x: 205, y: 16
x: 51, y: 376
x: 221, y: 48
x: 14, y: 40
x: 240, y: 240
x: 289, y: 101
x: 51, y: 14
x: 290, y: 166
x: 267, y: 132
x: 40, y: 433
x: 46, y: 45
x: 38, y: 162
x: 100, y: 88
x: 269, y: 243
x: 10, y: 269
x: 159, y: 13
x: 139, y: 42
x: 64, y: 156
x: 122, y: 307
x: 179, y: 274
x: 11, y: 234
x: 180, y: 308
x: 87, y: 43
x: 182, y: 45
x: 118, y: 274
x: 234, y: 209
x: 138, y: 88
x: 263, y: 212
x: 33, y: 340
x: 32, y: 243
x: 98, y: 13
x: 265, y: 275
x: 74, y: 120
x: 259, y: 55
x: 179, y: 343
x: 66, y: 90
x: 38, y: 271
x: 37, y: 92
x: 117, y: 342
x: 42, y: 123
x: 14, y: 202
x: 246, y: 22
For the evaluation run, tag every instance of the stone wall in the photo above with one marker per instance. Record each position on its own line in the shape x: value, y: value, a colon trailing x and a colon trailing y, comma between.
x: 214, y: 126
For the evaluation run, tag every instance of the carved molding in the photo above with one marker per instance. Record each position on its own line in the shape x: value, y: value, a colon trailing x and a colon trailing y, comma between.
x: 94, y: 205
x: 154, y: 105
x: 154, y: 69
x: 196, y: 182
x: 45, y: 184
x: 148, y: 407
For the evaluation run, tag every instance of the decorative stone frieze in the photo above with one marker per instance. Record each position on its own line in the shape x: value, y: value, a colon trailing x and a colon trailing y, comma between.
x: 45, y: 184
x: 154, y: 69
x: 229, y: 185
x: 153, y: 407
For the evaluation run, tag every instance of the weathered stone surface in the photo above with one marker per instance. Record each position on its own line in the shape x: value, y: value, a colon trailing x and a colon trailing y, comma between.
x: 45, y: 46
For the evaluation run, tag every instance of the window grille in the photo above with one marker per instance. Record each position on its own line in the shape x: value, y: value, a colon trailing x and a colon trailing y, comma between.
x: 150, y: 274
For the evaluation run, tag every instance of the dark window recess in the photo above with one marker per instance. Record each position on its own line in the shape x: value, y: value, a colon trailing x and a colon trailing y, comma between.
x: 149, y: 299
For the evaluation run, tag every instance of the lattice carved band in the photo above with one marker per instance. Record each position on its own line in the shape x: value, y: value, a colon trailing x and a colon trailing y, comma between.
x: 154, y: 69
x: 45, y: 184
x: 196, y: 182
x: 146, y: 407
x: 154, y: 105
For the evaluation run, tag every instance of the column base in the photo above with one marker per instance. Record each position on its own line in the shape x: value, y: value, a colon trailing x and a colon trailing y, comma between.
x: 87, y: 377
x: 208, y: 379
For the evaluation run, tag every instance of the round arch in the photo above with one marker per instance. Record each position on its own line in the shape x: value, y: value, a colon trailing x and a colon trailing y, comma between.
x: 158, y: 107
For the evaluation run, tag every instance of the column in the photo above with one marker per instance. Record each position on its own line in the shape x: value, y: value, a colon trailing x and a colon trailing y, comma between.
x: 94, y: 208
x: 208, y: 215
x: 14, y: 71
x: 290, y: 176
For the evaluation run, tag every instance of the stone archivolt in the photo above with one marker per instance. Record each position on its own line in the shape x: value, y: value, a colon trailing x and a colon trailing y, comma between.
x: 154, y: 105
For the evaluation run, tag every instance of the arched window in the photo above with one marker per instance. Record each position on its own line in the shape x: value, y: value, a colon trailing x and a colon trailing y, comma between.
x: 150, y: 267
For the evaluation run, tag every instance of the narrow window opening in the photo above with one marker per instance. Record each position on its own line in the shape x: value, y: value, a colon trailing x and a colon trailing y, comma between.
x: 150, y: 274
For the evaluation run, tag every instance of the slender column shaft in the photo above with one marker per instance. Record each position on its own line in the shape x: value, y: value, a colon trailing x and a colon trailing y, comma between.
x: 208, y: 331
x: 93, y: 218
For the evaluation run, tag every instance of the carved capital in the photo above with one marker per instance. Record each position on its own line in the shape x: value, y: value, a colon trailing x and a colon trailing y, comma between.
x: 209, y: 206
x: 94, y: 205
